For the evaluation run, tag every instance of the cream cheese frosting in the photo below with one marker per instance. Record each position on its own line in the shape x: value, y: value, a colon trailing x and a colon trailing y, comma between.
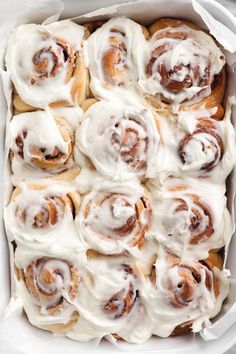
x: 124, y: 143
x: 194, y: 144
x: 38, y: 59
x: 201, y: 305
x: 42, y: 141
x: 41, y: 215
x: 190, y: 217
x: 185, y: 52
x: 114, y: 218
x: 113, y: 46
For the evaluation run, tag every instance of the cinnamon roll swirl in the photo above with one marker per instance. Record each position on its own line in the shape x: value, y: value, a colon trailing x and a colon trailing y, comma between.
x: 41, y: 215
x: 50, y: 286
x: 52, y: 210
x: 114, y: 218
x: 204, y: 147
x: 183, y: 66
x: 196, y: 145
x: 109, y: 300
x: 113, y: 47
x: 183, y: 293
x: 191, y: 218
x: 46, y: 64
x: 181, y: 288
x: 121, y: 140
x: 121, y: 303
x: 42, y: 142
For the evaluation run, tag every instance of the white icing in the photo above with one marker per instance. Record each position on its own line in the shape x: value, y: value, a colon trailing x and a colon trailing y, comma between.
x: 198, y: 51
x: 110, y: 278
x: 38, y: 311
x: 200, y: 150
x: 172, y: 226
x: 109, y: 221
x: 129, y: 34
x: 40, y: 130
x: 20, y: 220
x: 103, y: 277
x: 27, y: 40
x: 202, y: 306
x: 111, y: 132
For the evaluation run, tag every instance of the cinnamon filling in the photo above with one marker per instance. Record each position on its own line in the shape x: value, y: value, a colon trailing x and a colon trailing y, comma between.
x: 114, y: 59
x: 130, y: 146
x: 20, y: 143
x: 198, y: 214
x: 122, y: 302
x: 50, y: 213
x: 48, y: 62
x: 41, y: 278
x: 216, y: 146
x: 113, y: 203
x: 184, y: 292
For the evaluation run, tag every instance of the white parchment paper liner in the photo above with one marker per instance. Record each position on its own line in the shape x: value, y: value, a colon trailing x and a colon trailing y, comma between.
x: 16, y: 334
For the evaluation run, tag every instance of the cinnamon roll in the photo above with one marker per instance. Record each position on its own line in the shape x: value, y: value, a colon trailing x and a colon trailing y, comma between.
x: 196, y: 145
x: 191, y: 218
x: 109, y: 300
x: 42, y: 215
x: 121, y: 303
x: 181, y: 289
x: 183, y: 294
x: 183, y: 66
x: 42, y: 142
x: 49, y: 286
x: 115, y: 218
x: 113, y: 47
x: 53, y: 210
x: 121, y: 140
x: 46, y: 64
x: 205, y: 144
